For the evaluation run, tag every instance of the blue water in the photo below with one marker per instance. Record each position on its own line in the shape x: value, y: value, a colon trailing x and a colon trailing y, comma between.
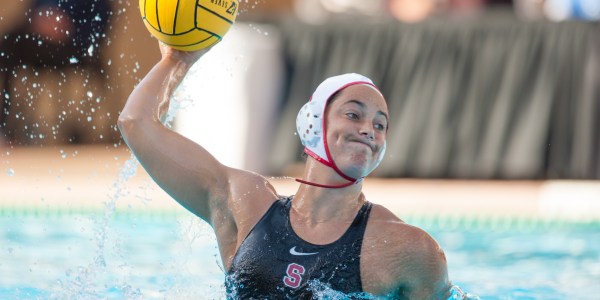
x: 176, y: 257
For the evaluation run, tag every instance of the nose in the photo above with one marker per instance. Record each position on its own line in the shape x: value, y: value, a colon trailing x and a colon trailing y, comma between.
x: 367, y: 131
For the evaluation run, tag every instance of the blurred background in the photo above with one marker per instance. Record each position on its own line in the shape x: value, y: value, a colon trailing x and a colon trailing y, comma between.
x: 495, y: 110
x: 478, y: 90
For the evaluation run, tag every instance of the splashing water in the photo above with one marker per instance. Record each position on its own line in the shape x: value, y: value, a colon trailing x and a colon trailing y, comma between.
x: 456, y: 293
x: 85, y: 283
x: 323, y: 291
x: 87, y: 280
x: 258, y: 29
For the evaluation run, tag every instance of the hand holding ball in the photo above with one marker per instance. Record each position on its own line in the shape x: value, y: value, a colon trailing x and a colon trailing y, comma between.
x: 189, y: 25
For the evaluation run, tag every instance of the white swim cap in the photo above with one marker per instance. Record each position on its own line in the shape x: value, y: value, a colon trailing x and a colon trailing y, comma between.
x: 310, y: 122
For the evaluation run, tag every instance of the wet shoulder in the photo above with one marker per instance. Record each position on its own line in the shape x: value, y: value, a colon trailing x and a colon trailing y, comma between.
x: 250, y: 196
x: 387, y: 231
x: 384, y: 224
x: 394, y: 253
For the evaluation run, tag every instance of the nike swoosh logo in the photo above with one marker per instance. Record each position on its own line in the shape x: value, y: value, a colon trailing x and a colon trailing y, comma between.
x: 294, y: 252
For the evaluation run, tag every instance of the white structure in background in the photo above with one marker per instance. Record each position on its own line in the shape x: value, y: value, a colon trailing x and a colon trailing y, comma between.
x: 319, y: 11
x: 230, y: 96
x: 570, y: 200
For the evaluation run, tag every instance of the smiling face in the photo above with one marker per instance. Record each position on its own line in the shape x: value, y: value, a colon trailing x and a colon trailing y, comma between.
x: 356, y: 125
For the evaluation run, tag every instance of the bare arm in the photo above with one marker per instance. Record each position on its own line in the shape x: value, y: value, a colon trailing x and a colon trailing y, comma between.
x: 426, y: 271
x: 185, y: 170
x: 401, y: 261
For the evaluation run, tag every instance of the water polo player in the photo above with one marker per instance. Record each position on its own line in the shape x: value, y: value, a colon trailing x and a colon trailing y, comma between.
x: 327, y: 234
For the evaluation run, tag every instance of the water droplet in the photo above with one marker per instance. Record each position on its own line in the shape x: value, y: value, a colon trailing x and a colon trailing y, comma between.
x: 73, y: 60
x: 100, y: 262
x: 89, y: 94
x: 10, y: 172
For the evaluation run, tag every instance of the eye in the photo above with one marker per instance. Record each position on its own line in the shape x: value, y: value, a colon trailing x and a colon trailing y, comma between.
x: 352, y: 115
x: 379, y: 126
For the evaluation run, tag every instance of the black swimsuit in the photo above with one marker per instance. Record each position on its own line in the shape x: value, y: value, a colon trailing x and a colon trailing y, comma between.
x: 275, y: 263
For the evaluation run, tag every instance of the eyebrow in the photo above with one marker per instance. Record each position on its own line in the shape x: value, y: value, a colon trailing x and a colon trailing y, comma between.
x: 362, y: 105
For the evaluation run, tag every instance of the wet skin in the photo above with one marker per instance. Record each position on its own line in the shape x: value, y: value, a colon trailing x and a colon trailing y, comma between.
x: 395, y: 258
x: 357, y: 120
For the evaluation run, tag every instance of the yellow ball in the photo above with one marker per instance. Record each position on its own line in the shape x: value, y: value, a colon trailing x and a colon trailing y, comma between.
x: 189, y: 24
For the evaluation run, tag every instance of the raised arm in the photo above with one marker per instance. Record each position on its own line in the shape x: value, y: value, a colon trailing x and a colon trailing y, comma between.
x: 185, y: 170
x: 229, y: 199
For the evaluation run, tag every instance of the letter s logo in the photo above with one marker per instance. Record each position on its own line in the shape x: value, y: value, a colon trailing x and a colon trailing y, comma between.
x: 294, y: 275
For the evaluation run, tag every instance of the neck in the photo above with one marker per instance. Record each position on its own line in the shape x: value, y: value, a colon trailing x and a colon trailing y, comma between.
x: 315, y: 204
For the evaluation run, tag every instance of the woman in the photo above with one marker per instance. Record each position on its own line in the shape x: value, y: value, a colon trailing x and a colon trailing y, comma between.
x: 279, y: 247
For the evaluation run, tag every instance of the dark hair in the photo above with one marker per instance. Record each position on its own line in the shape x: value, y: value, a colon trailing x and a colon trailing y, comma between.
x: 334, y: 96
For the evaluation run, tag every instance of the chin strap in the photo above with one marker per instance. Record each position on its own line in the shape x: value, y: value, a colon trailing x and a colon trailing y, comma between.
x: 331, y: 164
x: 357, y: 181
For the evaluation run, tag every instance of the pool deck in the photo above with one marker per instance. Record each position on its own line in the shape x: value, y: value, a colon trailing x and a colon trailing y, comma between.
x: 87, y: 178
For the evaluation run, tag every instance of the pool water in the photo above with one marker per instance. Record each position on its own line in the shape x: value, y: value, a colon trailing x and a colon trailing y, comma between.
x: 175, y: 257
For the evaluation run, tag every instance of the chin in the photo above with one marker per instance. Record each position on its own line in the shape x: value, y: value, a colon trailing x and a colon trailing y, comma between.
x: 358, y: 169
